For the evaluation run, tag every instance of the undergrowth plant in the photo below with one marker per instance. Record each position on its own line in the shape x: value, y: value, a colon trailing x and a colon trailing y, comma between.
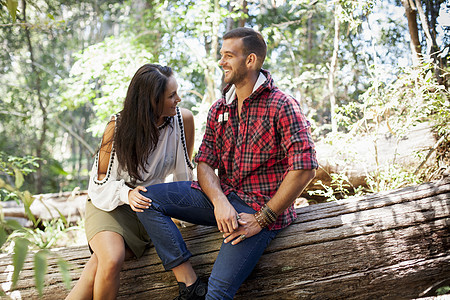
x: 389, y: 178
x: 19, y: 239
x: 339, y: 188
x: 395, y: 108
x: 388, y: 109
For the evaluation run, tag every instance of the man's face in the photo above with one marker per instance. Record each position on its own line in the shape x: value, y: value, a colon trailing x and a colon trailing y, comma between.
x: 233, y: 61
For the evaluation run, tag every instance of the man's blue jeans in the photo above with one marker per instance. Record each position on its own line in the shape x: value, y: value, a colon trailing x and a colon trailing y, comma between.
x: 178, y: 200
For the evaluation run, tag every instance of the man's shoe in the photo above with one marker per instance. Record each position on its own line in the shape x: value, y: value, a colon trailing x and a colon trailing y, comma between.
x: 196, y: 291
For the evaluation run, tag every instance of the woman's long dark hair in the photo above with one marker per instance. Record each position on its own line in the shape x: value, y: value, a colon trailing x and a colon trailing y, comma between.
x: 136, y: 133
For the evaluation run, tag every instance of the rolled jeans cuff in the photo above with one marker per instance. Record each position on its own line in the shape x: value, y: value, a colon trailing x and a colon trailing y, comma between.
x: 177, y: 261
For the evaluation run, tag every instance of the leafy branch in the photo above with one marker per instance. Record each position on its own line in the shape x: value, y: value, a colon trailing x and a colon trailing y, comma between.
x: 23, y: 238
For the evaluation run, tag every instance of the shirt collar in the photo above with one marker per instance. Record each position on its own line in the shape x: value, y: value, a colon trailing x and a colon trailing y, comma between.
x: 231, y: 93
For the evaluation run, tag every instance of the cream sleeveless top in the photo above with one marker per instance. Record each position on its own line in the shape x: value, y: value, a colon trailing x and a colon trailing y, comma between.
x: 169, y: 158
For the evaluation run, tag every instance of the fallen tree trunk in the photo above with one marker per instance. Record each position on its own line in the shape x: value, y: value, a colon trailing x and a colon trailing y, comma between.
x: 366, y: 154
x: 70, y: 205
x: 392, y: 245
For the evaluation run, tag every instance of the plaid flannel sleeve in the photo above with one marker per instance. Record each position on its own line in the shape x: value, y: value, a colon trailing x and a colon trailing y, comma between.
x: 296, y: 138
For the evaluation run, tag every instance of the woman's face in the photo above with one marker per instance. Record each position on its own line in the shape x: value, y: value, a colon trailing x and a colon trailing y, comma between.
x: 171, y: 98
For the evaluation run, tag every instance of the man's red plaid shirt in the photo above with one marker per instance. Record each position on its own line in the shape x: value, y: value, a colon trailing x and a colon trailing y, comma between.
x: 254, y: 153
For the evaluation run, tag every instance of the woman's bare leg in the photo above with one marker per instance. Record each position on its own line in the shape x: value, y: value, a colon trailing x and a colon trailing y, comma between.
x: 109, y: 248
x: 185, y: 273
x: 85, y: 285
x: 100, y: 277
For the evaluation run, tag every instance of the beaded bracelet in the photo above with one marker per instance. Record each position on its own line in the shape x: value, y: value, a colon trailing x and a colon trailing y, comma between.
x: 269, y: 214
x: 265, y: 216
x: 261, y: 220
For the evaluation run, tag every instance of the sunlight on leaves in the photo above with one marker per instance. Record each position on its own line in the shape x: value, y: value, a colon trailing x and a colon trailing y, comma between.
x: 12, y: 8
x: 19, y: 178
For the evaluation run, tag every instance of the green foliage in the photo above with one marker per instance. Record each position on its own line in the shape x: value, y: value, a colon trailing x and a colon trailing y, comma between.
x: 6, y: 195
x: 40, y: 268
x: 413, y: 98
x: 101, y: 75
x: 389, y: 109
x: 443, y: 290
x: 35, y: 58
x: 391, y: 177
x: 14, y: 167
x: 22, y: 239
x: 46, y: 238
x: 11, y: 5
x: 339, y: 188
x: 22, y: 246
x: 3, y: 235
x: 64, y: 270
x: 17, y: 167
x: 19, y: 255
x: 352, y: 12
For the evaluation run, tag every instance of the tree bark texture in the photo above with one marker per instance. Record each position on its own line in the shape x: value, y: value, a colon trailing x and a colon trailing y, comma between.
x: 392, y: 245
x: 430, y: 37
x: 243, y: 20
x: 37, y: 85
x: 333, y: 67
x: 411, y: 16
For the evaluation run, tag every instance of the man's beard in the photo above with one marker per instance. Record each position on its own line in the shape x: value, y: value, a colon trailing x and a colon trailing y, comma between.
x: 237, y: 75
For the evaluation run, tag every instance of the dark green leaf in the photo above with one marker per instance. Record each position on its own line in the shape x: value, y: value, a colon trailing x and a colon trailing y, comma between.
x: 62, y: 217
x: 19, y: 178
x: 12, y: 8
x: 3, y: 236
x: 64, y: 269
x: 19, y: 255
x: 40, y: 269
x: 443, y: 290
x: 13, y: 224
x: 57, y: 168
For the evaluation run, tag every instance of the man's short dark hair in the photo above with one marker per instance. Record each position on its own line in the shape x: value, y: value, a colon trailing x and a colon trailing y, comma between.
x: 252, y: 40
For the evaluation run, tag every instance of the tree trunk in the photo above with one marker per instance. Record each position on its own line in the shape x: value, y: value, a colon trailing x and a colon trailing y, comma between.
x: 432, y: 47
x: 230, y: 23
x: 243, y: 19
x: 210, y: 95
x: 411, y: 15
x: 392, y: 245
x: 333, y: 66
x: 37, y: 87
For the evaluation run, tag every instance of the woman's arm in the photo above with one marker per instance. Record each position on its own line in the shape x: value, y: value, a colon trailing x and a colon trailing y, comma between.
x: 136, y: 201
x: 189, y: 130
x: 104, y: 154
x: 106, y: 189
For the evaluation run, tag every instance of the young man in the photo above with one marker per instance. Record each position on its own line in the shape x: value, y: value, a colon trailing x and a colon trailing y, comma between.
x: 260, y: 142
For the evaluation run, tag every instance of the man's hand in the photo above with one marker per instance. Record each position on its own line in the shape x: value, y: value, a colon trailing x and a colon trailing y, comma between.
x: 137, y: 201
x: 226, y: 216
x: 248, y: 227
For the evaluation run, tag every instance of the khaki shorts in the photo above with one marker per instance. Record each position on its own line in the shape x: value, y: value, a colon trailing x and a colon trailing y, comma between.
x: 121, y: 220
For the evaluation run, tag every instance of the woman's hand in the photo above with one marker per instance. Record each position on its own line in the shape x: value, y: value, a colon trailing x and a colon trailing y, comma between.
x: 248, y: 226
x: 137, y: 201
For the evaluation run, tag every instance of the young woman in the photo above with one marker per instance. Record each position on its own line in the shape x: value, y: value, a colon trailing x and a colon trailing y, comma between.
x: 148, y: 140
